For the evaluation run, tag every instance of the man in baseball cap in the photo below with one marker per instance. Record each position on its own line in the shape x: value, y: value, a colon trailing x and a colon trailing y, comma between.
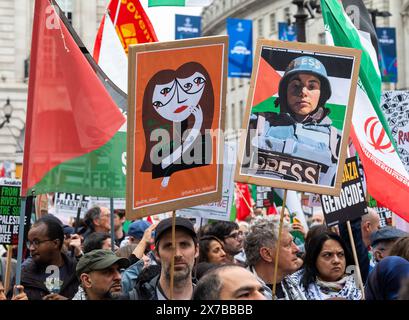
x: 186, y: 252
x: 383, y: 240
x: 99, y: 273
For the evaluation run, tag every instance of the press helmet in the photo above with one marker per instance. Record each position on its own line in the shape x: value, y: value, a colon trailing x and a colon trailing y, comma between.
x: 304, y: 64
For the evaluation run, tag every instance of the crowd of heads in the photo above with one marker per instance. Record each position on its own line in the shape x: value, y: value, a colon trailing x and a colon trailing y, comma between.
x: 257, y: 259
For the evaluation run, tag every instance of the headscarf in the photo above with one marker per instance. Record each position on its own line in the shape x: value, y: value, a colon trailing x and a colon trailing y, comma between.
x: 385, y: 280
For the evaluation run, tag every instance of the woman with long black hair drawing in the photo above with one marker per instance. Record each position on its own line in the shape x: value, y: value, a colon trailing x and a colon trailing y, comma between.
x: 178, y: 107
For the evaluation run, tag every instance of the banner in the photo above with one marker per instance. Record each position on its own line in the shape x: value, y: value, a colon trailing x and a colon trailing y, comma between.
x: 219, y: 210
x: 287, y: 32
x: 387, y: 54
x: 351, y: 202
x: 66, y: 205
x: 187, y: 26
x: 240, y: 34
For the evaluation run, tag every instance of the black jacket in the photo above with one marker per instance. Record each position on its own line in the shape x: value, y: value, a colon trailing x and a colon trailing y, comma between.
x: 33, y: 277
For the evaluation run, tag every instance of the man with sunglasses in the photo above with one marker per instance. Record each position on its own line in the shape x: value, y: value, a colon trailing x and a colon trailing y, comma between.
x: 48, y: 274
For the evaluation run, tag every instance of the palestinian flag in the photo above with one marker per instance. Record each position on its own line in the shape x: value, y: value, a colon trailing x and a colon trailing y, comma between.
x: 387, y: 179
x: 179, y: 3
x: 73, y: 117
x: 121, y: 26
x: 271, y: 68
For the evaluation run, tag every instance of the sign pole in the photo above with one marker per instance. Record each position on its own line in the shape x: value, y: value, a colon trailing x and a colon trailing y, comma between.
x: 21, y: 239
x: 172, y: 262
x: 242, y: 196
x: 358, y: 270
x: 278, y: 243
x: 8, y: 268
x: 111, y: 204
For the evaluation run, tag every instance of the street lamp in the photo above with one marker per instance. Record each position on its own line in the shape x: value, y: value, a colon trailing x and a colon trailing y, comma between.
x: 302, y: 16
x: 376, y: 13
x: 7, y: 110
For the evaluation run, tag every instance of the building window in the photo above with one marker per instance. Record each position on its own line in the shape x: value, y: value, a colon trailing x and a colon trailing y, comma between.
x: 260, y: 27
x: 273, y: 23
x: 287, y: 14
x: 321, y: 38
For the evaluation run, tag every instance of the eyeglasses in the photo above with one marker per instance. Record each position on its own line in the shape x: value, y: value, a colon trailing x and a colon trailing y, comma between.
x: 235, y: 235
x: 36, y: 243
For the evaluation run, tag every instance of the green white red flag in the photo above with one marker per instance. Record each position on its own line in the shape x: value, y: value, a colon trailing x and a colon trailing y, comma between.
x: 387, y: 180
x: 72, y: 114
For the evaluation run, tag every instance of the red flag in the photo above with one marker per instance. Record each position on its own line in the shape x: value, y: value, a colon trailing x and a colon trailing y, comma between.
x: 69, y: 111
x: 243, y: 201
x: 131, y: 23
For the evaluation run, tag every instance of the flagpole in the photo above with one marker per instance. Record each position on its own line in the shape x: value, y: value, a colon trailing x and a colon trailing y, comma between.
x: 278, y: 243
x: 20, y: 240
x: 117, y: 12
x: 8, y: 268
x: 111, y: 204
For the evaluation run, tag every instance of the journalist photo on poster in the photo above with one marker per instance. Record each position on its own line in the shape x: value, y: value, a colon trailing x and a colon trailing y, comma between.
x: 298, y: 116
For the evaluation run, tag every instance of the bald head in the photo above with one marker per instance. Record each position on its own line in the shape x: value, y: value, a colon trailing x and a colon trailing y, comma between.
x: 370, y: 223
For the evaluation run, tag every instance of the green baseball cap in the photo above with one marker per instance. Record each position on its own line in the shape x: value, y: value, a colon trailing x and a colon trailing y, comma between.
x: 99, y: 260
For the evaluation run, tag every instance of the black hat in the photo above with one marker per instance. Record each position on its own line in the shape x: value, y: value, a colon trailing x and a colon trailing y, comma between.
x: 99, y: 260
x: 180, y: 223
x: 385, y: 234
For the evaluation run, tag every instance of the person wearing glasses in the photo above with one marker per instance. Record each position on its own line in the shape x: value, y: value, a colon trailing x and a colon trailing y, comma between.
x: 48, y: 274
x: 232, y: 238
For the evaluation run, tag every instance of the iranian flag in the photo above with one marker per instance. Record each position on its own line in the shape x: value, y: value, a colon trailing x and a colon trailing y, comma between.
x: 72, y: 115
x: 179, y: 3
x: 387, y: 179
x: 124, y: 24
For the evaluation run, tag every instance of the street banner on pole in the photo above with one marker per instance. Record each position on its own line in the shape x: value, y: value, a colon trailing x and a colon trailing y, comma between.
x: 187, y: 26
x: 287, y: 32
x: 388, y: 61
x: 240, y: 34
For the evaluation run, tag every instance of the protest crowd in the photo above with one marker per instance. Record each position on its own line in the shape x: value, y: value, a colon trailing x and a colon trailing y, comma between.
x: 316, y: 213
x: 216, y: 261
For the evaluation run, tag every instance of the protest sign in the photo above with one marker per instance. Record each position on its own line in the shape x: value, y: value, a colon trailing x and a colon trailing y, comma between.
x: 175, y: 122
x: 219, y: 210
x: 351, y: 202
x: 9, y: 210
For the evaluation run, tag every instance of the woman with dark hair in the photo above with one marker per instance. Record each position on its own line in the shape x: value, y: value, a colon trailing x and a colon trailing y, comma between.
x: 211, y: 250
x: 180, y: 102
x: 324, y: 273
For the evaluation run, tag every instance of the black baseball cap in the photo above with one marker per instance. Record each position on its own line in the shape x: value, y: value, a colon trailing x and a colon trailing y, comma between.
x: 180, y: 223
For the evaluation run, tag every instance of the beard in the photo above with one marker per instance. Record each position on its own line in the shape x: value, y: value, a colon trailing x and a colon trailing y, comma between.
x: 112, y: 295
x: 179, y: 275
